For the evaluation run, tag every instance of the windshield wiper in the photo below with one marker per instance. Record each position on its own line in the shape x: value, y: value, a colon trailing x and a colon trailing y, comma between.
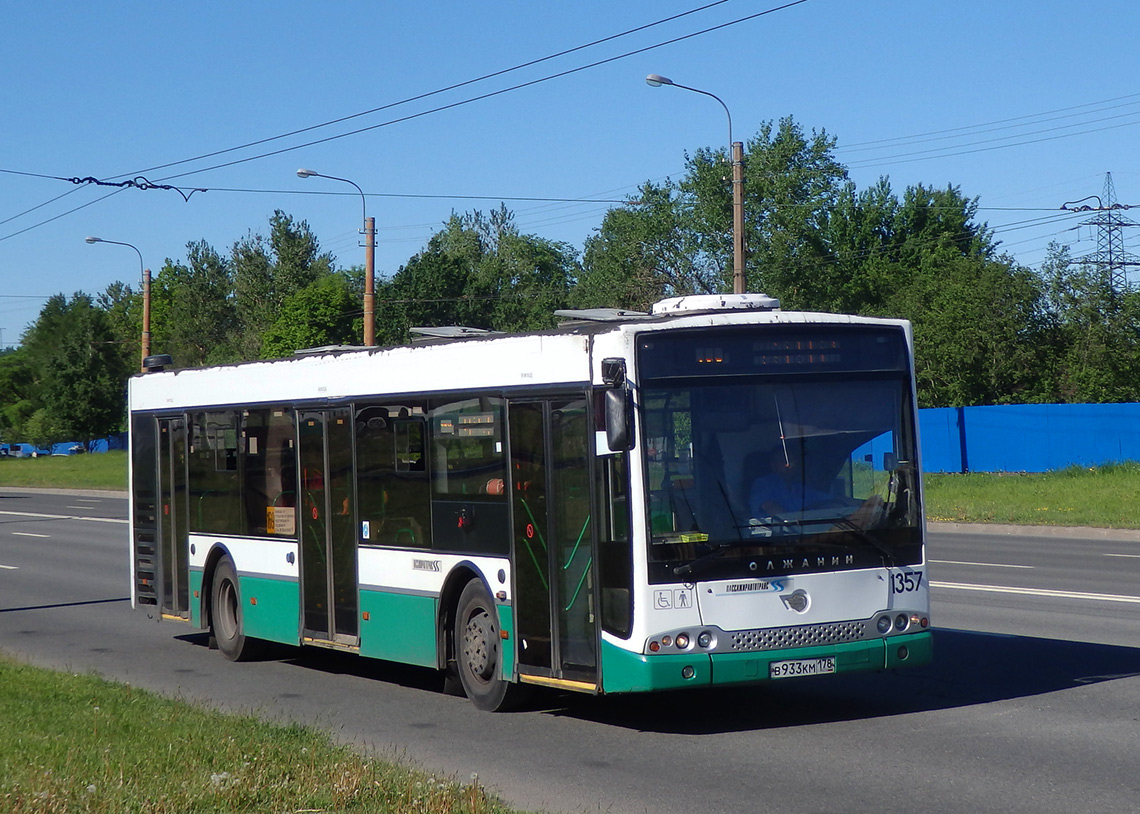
x: 847, y: 524
x: 687, y: 568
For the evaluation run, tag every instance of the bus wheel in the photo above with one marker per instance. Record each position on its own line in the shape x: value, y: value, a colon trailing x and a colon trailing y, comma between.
x: 226, y: 614
x: 478, y: 650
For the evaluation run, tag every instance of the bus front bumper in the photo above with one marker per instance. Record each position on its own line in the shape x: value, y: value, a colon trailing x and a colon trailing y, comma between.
x: 623, y: 671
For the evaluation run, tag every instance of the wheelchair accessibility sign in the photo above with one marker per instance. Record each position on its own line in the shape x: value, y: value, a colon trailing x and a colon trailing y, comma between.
x: 673, y: 599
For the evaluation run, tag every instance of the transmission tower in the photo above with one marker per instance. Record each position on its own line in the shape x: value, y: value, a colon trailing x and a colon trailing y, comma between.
x: 1110, y: 259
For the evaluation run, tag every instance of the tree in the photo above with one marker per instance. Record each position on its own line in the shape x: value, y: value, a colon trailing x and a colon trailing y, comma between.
x: 323, y: 313
x: 641, y: 254
x: 192, y: 310
x: 1092, y: 331
x: 84, y: 378
x: 976, y: 329
x: 17, y: 383
x: 268, y: 271
x: 677, y: 238
x: 481, y: 272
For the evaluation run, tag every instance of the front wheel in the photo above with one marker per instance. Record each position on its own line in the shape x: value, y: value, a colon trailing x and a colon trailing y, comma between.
x: 478, y: 650
x: 226, y: 614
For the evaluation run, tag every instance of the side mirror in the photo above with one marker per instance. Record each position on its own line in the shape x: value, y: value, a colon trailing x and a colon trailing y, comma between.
x: 619, y: 419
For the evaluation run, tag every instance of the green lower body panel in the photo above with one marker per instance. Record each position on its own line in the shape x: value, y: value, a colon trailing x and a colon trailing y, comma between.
x: 197, y: 617
x: 507, y: 626
x: 271, y: 609
x: 398, y: 627
x: 623, y: 671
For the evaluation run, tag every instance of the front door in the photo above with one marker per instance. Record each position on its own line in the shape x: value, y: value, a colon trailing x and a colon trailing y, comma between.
x: 328, y: 527
x: 173, y: 529
x: 553, y: 540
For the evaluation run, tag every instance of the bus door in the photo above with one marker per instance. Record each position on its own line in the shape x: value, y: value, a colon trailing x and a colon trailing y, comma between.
x: 328, y: 527
x: 173, y: 523
x: 553, y: 548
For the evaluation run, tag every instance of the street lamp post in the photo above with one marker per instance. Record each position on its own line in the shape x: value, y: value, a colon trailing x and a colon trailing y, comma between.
x: 369, y: 257
x: 145, y: 340
x: 737, y: 148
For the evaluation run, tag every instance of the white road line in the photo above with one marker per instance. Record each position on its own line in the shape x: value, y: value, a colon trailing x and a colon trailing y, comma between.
x: 9, y: 568
x: 1008, y: 589
x: 63, y: 517
x: 985, y: 564
x: 1129, y: 556
x: 28, y: 534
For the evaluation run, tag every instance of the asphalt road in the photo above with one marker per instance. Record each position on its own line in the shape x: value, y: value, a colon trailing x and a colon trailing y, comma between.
x: 1032, y: 704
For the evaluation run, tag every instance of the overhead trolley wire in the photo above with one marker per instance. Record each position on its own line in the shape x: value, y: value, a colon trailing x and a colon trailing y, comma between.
x: 492, y: 94
x: 416, y: 98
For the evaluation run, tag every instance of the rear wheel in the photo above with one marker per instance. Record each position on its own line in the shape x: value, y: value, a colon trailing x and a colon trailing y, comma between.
x: 478, y: 650
x: 226, y: 614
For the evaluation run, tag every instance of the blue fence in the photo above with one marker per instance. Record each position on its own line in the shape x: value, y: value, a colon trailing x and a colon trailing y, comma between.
x: 1028, y: 437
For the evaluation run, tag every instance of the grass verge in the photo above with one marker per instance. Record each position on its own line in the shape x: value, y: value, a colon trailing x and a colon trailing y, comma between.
x: 104, y: 470
x: 1107, y: 496
x: 76, y: 743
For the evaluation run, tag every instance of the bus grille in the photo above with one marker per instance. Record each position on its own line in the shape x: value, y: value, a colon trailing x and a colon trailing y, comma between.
x: 778, y: 638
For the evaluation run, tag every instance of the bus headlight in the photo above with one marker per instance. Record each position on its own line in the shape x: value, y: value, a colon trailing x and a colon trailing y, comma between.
x: 705, y: 639
x: 884, y: 624
x: 682, y: 641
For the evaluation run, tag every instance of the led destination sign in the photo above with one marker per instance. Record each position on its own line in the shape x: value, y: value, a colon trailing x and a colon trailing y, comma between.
x: 766, y: 349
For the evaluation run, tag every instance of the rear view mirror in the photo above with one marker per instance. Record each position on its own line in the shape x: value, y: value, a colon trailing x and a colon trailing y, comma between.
x: 619, y: 419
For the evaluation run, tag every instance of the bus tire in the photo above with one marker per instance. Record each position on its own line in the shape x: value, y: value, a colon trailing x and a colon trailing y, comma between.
x: 479, y: 650
x: 226, y: 614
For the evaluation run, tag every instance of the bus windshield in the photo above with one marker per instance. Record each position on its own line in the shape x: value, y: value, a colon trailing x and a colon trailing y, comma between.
x: 750, y: 476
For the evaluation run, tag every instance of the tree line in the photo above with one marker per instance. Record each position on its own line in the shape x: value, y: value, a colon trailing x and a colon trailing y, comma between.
x: 987, y: 329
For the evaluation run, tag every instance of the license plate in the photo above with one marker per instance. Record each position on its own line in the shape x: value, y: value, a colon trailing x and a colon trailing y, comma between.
x: 801, y: 667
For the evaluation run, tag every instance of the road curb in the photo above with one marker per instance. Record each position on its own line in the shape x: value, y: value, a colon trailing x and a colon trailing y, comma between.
x: 34, y: 490
x: 1068, y: 532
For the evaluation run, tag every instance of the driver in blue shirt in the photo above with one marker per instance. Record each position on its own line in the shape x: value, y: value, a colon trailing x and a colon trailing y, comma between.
x: 783, y: 490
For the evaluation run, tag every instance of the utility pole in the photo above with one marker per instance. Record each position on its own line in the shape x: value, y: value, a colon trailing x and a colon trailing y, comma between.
x: 1110, y: 259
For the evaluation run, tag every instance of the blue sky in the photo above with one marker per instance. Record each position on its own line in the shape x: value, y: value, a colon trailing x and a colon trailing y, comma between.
x: 1025, y: 104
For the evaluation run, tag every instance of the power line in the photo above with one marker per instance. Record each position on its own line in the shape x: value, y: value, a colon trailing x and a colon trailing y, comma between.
x: 919, y: 137
x: 415, y: 98
x: 436, y: 92
x: 492, y: 94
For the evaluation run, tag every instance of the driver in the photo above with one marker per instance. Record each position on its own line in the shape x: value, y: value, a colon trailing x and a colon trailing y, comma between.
x: 783, y: 490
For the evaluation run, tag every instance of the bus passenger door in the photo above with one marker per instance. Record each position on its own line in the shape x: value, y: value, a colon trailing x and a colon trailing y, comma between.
x: 173, y: 529
x: 328, y: 528
x: 553, y: 540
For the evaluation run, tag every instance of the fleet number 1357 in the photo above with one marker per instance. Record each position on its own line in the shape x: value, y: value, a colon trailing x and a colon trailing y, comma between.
x: 906, y: 582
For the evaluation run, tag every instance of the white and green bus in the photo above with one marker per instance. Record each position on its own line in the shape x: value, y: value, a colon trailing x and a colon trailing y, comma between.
x: 715, y: 493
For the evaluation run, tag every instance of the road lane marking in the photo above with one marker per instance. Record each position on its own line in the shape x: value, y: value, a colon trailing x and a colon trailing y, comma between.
x: 985, y: 564
x: 1009, y: 589
x: 28, y: 534
x: 9, y: 568
x: 1129, y: 556
x: 63, y: 517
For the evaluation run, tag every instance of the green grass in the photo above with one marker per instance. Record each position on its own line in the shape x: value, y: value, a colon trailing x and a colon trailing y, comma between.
x: 1106, y: 496
x: 76, y: 743
x: 106, y: 470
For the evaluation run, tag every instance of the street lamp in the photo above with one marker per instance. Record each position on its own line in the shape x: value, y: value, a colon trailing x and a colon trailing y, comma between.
x: 145, y: 343
x: 369, y: 257
x: 737, y: 148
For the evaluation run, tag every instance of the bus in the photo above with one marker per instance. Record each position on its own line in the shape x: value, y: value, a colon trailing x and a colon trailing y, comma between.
x: 713, y: 493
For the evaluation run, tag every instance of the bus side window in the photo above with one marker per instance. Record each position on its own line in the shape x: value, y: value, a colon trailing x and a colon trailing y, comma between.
x: 468, y: 455
x: 269, y: 472
x: 392, y: 476
x: 215, y: 484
